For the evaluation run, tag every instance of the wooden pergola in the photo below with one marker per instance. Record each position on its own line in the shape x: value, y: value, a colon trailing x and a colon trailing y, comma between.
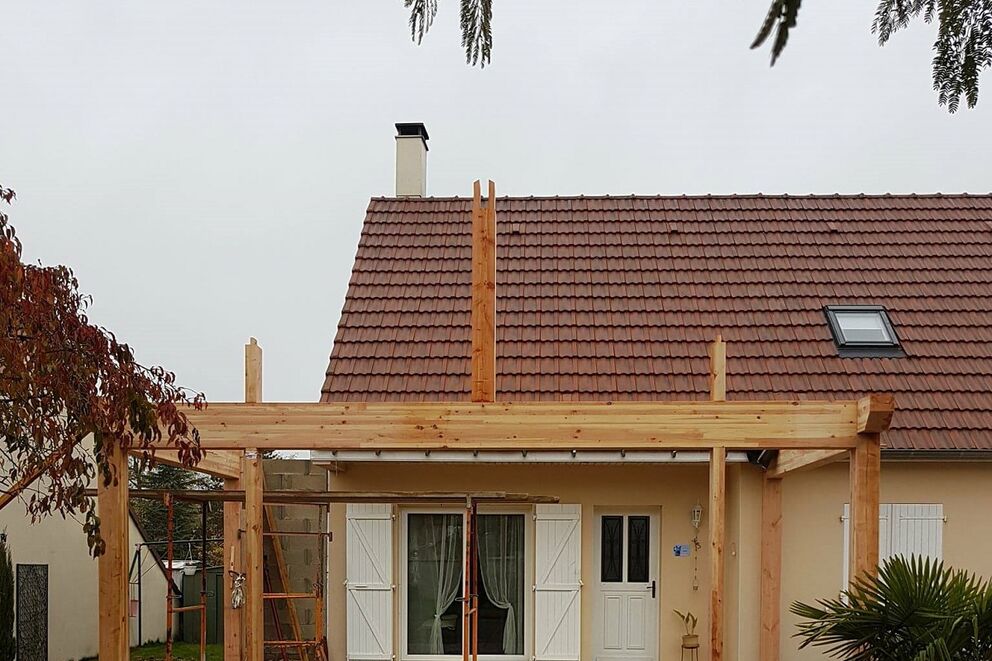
x: 806, y: 434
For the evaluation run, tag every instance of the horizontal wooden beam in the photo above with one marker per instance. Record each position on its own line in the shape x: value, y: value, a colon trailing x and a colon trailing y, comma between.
x: 530, y: 425
x: 875, y: 413
x: 795, y: 461
x: 330, y: 497
x: 218, y: 463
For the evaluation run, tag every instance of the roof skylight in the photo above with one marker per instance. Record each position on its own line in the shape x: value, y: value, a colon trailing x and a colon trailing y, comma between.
x: 863, y: 330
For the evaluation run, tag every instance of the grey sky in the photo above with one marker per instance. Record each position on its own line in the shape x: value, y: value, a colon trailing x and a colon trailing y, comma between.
x: 205, y: 166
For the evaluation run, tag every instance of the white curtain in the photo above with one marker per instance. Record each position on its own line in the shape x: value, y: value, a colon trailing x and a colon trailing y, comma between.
x: 501, y: 564
x: 435, y: 574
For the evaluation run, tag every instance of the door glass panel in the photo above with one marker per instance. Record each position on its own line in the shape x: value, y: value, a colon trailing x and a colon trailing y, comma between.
x: 501, y: 574
x: 638, y: 534
x: 434, y: 576
x: 611, y: 550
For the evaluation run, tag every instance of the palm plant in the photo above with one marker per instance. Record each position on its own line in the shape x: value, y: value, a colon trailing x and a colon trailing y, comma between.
x: 914, y: 610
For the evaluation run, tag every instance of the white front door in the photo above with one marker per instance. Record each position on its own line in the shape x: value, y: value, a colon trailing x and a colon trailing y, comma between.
x: 626, y: 593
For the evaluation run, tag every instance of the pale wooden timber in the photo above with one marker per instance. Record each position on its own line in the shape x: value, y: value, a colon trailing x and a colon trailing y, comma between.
x: 717, y: 529
x: 795, y: 461
x: 254, y: 629
x: 112, y: 508
x: 875, y: 413
x: 253, y: 372
x: 483, y: 295
x: 718, y: 503
x: 277, y: 551
x: 225, y: 464
x: 769, y: 642
x: 718, y: 370
x: 864, y: 508
x: 232, y: 562
x: 29, y: 478
x: 799, y: 424
x: 333, y: 497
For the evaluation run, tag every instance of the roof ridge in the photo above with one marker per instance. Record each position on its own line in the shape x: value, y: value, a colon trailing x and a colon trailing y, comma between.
x: 696, y: 196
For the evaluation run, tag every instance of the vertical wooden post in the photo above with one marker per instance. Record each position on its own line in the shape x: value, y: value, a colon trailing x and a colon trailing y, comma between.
x: 771, y: 569
x: 866, y: 467
x: 232, y: 561
x: 483, y: 295
x: 112, y: 508
x: 718, y: 503
x: 251, y: 482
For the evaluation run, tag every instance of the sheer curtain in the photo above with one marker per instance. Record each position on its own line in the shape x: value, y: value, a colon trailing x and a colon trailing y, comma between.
x: 435, y: 576
x: 501, y: 564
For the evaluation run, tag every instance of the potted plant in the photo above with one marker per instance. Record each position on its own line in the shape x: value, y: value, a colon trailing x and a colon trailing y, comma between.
x: 690, y: 640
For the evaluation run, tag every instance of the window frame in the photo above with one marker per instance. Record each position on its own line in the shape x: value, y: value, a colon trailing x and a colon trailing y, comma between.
x: 403, y: 582
x: 861, y: 348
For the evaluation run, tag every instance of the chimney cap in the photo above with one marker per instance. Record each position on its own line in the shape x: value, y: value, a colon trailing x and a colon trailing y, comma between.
x: 412, y: 129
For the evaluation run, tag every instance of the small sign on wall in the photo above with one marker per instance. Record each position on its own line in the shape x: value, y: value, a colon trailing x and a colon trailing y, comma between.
x: 681, y: 550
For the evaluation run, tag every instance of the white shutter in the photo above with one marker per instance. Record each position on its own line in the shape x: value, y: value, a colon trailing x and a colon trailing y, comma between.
x: 902, y: 530
x: 918, y: 530
x: 557, y: 572
x: 370, y: 582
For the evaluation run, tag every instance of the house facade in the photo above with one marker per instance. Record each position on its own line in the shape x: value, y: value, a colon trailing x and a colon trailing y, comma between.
x: 615, y: 299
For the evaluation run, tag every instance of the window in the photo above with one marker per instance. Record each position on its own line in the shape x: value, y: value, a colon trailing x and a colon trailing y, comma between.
x: 624, y: 546
x: 863, y: 330
x: 434, y: 583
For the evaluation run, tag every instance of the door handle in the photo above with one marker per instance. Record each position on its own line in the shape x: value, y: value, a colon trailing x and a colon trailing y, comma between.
x: 654, y: 586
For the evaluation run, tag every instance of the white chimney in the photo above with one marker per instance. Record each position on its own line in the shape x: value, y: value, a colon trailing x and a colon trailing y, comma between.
x: 411, y: 160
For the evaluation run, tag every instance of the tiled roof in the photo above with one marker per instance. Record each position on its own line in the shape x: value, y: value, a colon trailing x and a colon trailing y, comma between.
x: 615, y: 298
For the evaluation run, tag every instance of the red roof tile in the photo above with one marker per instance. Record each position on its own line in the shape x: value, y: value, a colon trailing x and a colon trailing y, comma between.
x: 612, y: 298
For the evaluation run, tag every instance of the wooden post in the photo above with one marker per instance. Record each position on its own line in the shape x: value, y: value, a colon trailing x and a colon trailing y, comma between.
x: 252, y: 545
x: 251, y: 480
x: 232, y: 560
x: 865, y: 477
x: 483, y: 295
x: 771, y: 569
x: 718, y: 503
x: 112, y: 508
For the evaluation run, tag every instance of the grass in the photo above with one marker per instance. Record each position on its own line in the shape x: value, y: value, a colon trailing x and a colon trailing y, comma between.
x: 180, y: 652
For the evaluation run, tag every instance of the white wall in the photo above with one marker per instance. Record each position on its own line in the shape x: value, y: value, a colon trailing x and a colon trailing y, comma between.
x: 72, y: 581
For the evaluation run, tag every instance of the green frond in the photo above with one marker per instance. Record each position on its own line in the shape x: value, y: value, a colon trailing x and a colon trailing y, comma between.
x: 782, y: 17
x: 422, y: 13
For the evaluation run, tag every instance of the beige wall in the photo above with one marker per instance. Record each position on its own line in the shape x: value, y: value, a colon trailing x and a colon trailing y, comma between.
x: 72, y: 581
x: 812, y: 534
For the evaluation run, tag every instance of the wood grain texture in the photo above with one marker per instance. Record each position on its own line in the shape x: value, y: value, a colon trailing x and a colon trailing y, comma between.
x: 530, y: 425
x: 865, y: 477
x: 718, y: 370
x: 717, y: 529
x: 112, y: 508
x: 769, y: 640
x: 483, y: 295
x: 254, y: 628
x: 797, y: 461
x: 875, y: 413
x: 253, y: 372
x: 225, y: 464
x: 232, y: 562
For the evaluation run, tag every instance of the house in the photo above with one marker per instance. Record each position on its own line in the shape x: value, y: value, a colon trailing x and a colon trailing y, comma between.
x: 55, y: 587
x: 616, y: 299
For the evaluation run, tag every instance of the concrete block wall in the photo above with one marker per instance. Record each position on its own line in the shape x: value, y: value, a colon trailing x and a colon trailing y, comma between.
x: 302, y: 554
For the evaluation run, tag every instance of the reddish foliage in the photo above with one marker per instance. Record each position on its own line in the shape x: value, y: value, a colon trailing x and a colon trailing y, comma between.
x: 63, y: 378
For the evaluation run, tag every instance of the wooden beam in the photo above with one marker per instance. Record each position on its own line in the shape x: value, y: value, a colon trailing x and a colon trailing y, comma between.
x: 864, y: 508
x: 769, y: 643
x: 483, y: 295
x: 718, y: 370
x: 112, y: 508
x: 225, y: 464
x: 232, y: 562
x: 254, y: 633
x: 253, y: 372
x: 717, y: 529
x: 875, y: 413
x: 795, y: 461
x: 332, y: 497
x: 530, y: 425
x: 29, y: 478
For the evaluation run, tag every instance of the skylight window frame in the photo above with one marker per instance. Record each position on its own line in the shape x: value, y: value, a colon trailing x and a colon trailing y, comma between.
x: 862, y: 348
